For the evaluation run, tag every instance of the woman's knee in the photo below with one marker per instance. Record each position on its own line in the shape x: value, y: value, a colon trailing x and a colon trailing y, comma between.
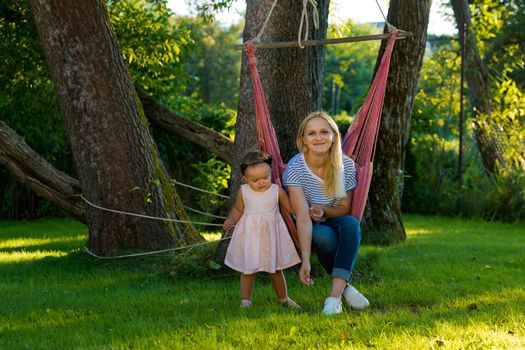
x: 324, y: 238
x: 351, y: 227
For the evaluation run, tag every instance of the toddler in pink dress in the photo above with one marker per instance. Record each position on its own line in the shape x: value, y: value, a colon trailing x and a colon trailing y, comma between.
x: 260, y: 239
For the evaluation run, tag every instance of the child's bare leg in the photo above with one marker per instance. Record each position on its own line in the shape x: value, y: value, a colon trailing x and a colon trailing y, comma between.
x: 279, y: 285
x: 247, y: 282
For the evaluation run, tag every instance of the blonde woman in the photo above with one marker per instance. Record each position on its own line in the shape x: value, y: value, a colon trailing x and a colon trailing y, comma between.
x: 319, y: 181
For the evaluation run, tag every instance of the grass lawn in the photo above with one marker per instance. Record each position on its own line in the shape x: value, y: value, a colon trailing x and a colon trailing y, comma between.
x: 454, y: 284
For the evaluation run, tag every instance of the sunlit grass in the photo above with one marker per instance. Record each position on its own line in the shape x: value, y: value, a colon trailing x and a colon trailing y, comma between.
x: 24, y: 256
x: 30, y: 242
x: 454, y: 284
x: 212, y: 236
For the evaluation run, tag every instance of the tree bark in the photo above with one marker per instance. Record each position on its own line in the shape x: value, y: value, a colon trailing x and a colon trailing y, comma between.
x: 476, y: 74
x: 40, y: 176
x: 117, y: 161
x: 292, y: 79
x: 207, y: 138
x: 383, y: 214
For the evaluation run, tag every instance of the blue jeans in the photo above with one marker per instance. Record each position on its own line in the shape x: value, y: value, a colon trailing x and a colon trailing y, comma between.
x: 336, y: 242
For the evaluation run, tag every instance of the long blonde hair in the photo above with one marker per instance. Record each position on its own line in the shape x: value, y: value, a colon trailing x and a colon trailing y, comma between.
x: 333, y: 173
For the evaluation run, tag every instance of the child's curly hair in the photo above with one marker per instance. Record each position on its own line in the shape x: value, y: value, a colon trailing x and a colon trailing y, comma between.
x: 255, y: 157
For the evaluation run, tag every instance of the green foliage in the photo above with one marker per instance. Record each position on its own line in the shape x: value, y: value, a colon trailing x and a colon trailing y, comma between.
x: 209, y: 97
x: 454, y: 284
x: 498, y: 26
x: 505, y: 199
x: 213, y: 176
x: 430, y: 164
x: 431, y: 167
x: 214, y: 63
x: 348, y: 69
x: 207, y: 8
x: 28, y: 105
x: 153, y: 44
x: 191, y: 67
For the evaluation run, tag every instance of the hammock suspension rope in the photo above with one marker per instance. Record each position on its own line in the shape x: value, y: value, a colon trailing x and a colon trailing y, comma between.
x: 305, y: 42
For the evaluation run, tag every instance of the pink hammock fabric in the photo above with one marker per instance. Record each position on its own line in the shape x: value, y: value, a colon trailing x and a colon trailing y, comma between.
x: 267, y: 137
x: 360, y: 140
x: 358, y: 143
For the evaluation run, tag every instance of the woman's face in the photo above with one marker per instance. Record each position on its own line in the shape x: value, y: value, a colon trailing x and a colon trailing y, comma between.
x: 258, y: 177
x: 318, y: 136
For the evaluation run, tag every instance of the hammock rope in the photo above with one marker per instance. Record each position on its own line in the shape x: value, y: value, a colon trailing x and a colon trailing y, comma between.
x: 122, y: 212
x: 304, y: 18
x: 199, y: 189
x: 263, y: 28
x: 306, y: 21
x: 153, y: 252
x: 168, y: 250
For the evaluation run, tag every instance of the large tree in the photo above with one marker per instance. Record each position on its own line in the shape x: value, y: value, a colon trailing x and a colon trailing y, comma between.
x: 116, y: 159
x: 383, y: 215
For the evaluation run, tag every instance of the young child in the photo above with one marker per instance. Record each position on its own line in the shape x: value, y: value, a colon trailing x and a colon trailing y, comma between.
x: 260, y: 240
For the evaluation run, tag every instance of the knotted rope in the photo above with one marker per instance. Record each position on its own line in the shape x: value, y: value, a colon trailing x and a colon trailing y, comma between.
x: 304, y: 18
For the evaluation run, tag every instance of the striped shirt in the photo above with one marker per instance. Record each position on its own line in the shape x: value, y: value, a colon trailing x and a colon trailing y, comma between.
x: 297, y: 174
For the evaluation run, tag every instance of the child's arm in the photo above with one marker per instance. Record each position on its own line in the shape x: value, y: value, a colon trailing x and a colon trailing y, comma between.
x: 235, y: 213
x: 284, y: 201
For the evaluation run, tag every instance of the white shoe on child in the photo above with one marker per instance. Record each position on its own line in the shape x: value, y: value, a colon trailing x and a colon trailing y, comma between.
x: 245, y: 303
x: 332, y: 306
x: 355, y: 299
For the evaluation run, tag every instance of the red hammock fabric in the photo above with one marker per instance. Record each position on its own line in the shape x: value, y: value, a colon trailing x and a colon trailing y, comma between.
x: 358, y: 143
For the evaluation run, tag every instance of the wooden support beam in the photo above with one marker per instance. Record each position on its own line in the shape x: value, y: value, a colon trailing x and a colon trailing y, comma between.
x: 286, y: 44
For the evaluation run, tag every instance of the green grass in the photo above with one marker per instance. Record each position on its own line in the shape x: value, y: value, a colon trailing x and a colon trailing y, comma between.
x: 454, y: 284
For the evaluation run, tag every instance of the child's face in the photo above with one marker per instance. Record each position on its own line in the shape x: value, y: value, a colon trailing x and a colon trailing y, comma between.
x: 258, y: 177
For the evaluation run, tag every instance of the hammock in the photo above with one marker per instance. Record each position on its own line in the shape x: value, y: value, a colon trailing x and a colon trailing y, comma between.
x: 359, y: 142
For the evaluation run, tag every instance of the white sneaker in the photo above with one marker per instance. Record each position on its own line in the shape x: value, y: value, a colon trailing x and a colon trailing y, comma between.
x: 332, y: 306
x: 355, y: 299
x: 245, y: 303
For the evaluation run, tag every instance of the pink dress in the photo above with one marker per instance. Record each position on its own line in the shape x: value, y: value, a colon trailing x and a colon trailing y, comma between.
x: 260, y: 240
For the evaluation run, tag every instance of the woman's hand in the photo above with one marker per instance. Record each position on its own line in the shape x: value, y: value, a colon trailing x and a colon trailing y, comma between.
x: 316, y: 212
x: 304, y: 273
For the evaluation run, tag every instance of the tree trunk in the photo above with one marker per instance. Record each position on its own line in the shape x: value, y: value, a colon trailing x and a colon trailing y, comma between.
x: 40, y: 176
x: 383, y: 215
x: 117, y: 161
x: 487, y: 137
x: 292, y: 79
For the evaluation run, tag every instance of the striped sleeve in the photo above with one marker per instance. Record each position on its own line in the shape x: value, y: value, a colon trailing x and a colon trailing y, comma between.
x: 350, y: 173
x: 293, y: 174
